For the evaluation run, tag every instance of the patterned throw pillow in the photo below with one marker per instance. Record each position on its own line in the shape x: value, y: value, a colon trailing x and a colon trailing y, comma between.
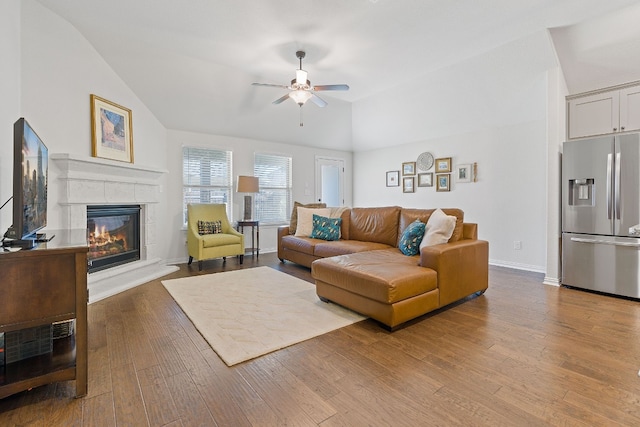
x: 209, y: 227
x: 411, y: 238
x: 326, y: 228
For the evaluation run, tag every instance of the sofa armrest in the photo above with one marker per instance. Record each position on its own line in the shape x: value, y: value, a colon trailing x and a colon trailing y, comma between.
x: 283, y: 230
x: 469, y: 231
x: 462, y: 267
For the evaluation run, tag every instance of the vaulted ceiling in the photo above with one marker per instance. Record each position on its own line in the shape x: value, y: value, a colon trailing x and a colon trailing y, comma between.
x: 192, y: 63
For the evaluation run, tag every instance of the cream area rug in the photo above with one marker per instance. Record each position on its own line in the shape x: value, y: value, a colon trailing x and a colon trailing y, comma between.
x: 244, y: 314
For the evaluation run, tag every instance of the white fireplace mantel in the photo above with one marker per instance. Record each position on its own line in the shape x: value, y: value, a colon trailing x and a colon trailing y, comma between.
x: 84, y: 181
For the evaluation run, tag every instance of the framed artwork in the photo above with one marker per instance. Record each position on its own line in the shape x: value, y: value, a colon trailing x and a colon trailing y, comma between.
x: 425, y: 179
x: 409, y: 168
x: 443, y: 165
x: 464, y: 173
x: 393, y: 179
x: 442, y: 182
x: 111, y: 130
x: 407, y: 185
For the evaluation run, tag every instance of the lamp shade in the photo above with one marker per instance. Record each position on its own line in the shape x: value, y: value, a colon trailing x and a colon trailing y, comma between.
x: 248, y: 184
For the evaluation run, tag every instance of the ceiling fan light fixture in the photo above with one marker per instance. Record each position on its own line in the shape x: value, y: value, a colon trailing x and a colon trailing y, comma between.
x: 300, y: 96
x: 301, y: 77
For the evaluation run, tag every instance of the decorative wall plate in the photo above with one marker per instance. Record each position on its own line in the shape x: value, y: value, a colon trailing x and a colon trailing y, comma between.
x: 425, y: 161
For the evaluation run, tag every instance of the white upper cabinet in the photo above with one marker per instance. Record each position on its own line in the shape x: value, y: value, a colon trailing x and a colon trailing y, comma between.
x: 604, y: 113
x: 630, y: 109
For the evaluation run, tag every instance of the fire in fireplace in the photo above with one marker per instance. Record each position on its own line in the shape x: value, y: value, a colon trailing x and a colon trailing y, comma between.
x: 113, y: 234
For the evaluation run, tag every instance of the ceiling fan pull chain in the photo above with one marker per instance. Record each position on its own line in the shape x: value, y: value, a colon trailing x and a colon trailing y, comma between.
x: 301, y: 124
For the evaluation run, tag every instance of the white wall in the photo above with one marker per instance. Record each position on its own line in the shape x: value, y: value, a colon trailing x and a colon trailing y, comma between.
x: 243, y: 151
x: 9, y: 101
x: 507, y: 202
x: 491, y: 109
x: 60, y: 70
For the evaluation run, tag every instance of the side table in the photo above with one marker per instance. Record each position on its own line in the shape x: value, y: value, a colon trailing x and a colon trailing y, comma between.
x: 255, y: 234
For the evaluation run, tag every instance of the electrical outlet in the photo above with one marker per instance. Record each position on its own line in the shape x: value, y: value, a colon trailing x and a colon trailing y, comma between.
x: 517, y: 245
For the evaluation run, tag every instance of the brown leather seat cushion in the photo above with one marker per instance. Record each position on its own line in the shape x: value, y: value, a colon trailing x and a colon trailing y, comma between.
x: 341, y: 247
x: 384, y: 275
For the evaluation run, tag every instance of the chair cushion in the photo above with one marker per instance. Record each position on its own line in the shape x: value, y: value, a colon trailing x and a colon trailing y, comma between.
x: 209, y: 227
x: 326, y: 228
x: 220, y: 239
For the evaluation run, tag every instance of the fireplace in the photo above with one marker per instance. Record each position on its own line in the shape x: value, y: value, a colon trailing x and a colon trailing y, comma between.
x: 113, y: 233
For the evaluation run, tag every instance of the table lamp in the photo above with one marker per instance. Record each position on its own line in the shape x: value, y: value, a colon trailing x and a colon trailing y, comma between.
x: 248, y: 184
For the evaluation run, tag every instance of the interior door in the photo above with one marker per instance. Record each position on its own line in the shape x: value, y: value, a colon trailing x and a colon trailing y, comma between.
x: 330, y: 181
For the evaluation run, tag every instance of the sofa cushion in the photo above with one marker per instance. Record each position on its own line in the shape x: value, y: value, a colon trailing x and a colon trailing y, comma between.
x: 407, y: 216
x: 293, y: 222
x: 342, y: 247
x: 379, y: 225
x: 439, y: 229
x: 305, y: 245
x: 209, y: 227
x: 411, y: 237
x: 326, y: 228
x: 384, y: 275
x: 305, y: 220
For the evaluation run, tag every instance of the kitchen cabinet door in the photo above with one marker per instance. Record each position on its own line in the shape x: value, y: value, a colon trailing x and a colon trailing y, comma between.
x: 630, y: 109
x: 594, y: 115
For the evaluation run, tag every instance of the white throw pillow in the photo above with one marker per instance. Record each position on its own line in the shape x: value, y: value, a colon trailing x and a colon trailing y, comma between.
x: 305, y: 219
x: 439, y: 229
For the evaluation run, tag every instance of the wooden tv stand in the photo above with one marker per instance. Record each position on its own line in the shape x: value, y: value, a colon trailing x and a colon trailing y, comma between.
x: 39, y: 287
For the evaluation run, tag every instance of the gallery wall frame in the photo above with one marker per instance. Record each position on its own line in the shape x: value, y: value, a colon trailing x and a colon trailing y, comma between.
x: 443, y: 165
x: 443, y: 182
x: 111, y: 130
x: 408, y: 184
x: 425, y: 179
x: 393, y: 178
x: 408, y: 168
x: 464, y: 173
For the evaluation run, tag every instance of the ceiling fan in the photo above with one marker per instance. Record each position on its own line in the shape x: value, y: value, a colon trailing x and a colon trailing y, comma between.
x: 301, y: 90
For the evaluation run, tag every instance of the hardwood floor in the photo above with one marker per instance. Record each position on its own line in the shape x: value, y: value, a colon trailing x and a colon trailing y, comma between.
x: 523, y: 354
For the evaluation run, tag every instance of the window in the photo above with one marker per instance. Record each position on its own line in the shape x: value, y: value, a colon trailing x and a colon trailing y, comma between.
x: 274, y: 202
x: 206, y: 177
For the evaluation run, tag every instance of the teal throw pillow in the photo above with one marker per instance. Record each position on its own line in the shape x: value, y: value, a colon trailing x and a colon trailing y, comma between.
x: 326, y: 228
x: 411, y: 238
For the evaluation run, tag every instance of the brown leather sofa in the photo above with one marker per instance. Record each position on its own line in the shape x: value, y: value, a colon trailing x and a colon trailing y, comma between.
x: 366, y: 272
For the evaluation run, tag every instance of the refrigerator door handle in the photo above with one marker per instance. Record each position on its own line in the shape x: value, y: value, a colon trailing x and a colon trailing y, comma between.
x: 617, y: 186
x: 604, y: 242
x: 609, y: 202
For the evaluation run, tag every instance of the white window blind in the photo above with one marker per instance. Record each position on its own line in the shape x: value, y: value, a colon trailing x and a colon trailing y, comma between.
x: 206, y: 177
x: 274, y: 202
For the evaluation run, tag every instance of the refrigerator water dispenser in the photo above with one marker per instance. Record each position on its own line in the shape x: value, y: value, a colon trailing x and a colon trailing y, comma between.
x: 581, y: 192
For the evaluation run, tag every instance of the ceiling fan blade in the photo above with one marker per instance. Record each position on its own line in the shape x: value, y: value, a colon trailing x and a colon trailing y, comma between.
x: 331, y: 87
x: 270, y: 85
x: 281, y: 99
x: 318, y: 101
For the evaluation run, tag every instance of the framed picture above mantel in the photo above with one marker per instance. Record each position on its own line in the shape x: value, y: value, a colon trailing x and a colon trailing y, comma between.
x: 111, y: 130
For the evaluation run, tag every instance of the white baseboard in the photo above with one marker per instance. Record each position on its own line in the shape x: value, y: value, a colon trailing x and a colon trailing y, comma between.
x: 517, y: 266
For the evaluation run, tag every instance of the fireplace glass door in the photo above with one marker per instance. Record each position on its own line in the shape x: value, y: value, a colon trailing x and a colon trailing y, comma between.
x: 113, y: 234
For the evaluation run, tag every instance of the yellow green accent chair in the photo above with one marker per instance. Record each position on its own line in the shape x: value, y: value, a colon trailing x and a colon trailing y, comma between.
x: 228, y: 243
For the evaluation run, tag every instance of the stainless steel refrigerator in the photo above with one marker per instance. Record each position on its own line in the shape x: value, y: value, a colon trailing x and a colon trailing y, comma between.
x: 601, y: 214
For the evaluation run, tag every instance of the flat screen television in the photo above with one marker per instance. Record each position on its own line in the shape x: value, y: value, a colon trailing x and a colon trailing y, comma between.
x: 30, y: 179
